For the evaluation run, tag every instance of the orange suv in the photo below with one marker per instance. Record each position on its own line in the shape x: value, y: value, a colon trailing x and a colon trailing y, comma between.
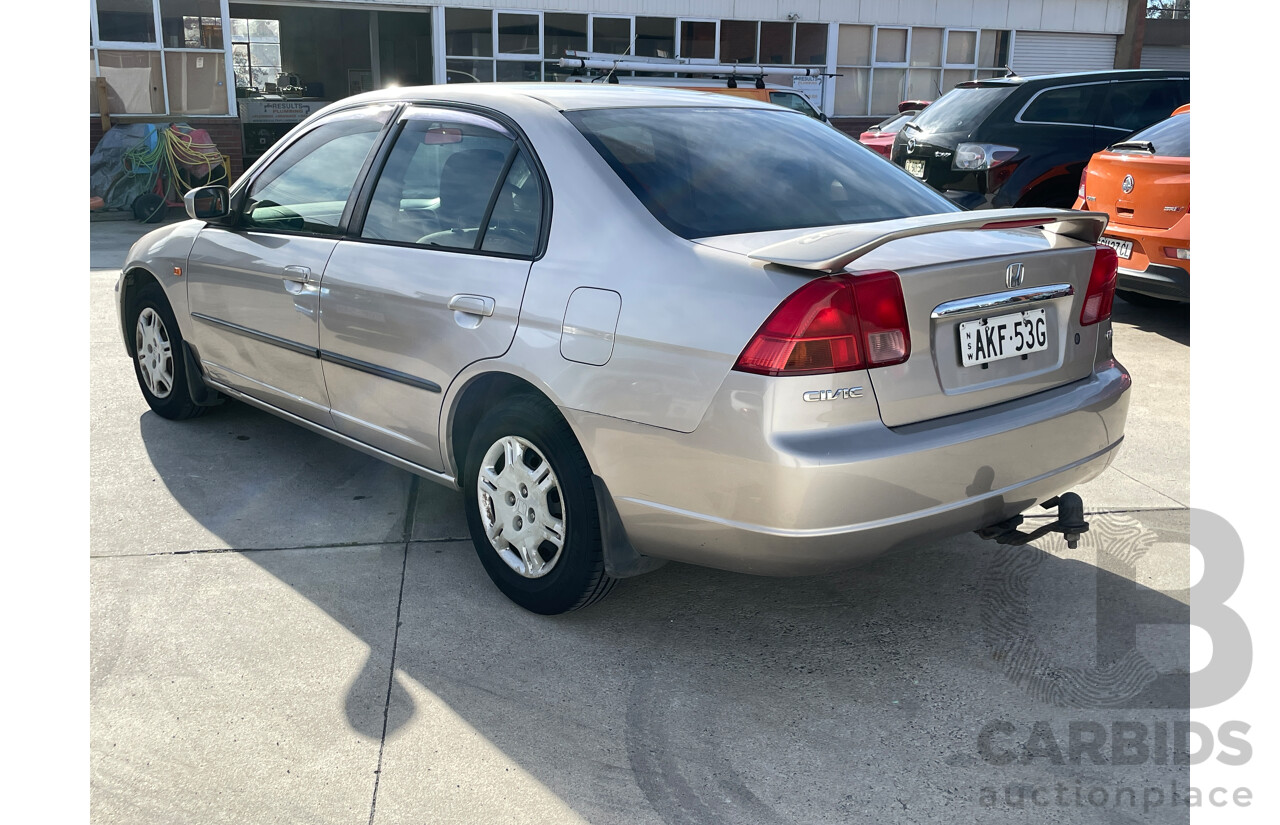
x: 1143, y: 183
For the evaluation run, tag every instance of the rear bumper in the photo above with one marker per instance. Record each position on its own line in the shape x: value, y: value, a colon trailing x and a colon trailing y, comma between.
x: 824, y: 499
x: 1157, y: 280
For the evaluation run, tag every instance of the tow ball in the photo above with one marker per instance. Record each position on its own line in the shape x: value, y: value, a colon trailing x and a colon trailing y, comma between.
x: 1070, y: 524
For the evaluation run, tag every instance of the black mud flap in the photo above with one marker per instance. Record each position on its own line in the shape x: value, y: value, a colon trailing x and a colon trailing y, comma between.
x: 202, y: 395
x: 621, y: 561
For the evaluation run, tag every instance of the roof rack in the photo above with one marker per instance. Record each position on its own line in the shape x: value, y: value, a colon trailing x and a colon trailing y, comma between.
x: 606, y: 61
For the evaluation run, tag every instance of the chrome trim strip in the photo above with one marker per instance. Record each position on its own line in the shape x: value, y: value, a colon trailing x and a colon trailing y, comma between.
x: 346, y: 441
x: 381, y: 372
x: 1000, y: 300
x: 293, y: 346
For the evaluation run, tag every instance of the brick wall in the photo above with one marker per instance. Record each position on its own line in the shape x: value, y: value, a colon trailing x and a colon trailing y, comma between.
x: 225, y: 131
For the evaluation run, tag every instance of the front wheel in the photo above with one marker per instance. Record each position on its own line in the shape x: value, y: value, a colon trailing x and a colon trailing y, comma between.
x: 158, y: 359
x: 531, y: 509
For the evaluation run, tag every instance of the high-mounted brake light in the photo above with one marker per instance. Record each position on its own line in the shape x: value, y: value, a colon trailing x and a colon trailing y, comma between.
x: 833, y: 324
x: 1102, y: 286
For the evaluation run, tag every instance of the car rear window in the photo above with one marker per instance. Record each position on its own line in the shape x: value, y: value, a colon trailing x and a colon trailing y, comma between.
x: 1169, y: 138
x: 961, y: 110
x: 724, y: 171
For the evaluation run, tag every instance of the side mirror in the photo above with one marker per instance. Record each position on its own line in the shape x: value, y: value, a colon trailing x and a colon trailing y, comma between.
x: 207, y: 202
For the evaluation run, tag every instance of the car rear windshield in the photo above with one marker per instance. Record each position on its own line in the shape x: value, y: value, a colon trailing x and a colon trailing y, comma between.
x: 961, y: 110
x: 724, y: 171
x: 1169, y: 138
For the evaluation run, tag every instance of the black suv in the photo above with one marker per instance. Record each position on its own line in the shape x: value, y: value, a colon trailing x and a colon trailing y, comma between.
x: 1024, y: 141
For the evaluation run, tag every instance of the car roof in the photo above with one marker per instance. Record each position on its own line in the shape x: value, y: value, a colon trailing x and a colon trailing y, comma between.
x: 565, y: 97
x: 1104, y: 74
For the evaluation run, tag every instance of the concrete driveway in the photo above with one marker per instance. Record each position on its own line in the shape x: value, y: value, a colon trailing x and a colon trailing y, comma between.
x: 284, y: 630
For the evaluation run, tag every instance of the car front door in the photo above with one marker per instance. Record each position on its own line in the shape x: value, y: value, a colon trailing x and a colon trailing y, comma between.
x: 253, y: 286
x: 431, y: 279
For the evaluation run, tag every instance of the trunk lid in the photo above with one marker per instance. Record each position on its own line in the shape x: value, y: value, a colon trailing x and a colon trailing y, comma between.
x: 953, y: 281
x: 1159, y: 188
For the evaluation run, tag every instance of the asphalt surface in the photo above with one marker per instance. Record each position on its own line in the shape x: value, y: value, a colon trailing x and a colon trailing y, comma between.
x: 284, y: 630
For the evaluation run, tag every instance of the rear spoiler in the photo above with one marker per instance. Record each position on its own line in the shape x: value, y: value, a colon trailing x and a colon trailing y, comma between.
x: 831, y: 250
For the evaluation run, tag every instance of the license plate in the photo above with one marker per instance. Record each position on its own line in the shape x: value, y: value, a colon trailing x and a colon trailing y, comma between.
x: 915, y: 167
x: 1123, y: 248
x: 1003, y: 336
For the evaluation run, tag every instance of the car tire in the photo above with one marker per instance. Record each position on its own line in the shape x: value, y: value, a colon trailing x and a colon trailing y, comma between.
x: 527, y: 483
x: 158, y: 361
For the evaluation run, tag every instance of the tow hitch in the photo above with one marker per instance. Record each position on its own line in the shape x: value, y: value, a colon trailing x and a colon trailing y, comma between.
x: 1070, y: 524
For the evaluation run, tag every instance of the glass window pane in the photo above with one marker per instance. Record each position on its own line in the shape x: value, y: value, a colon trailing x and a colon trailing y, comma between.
x: 854, y: 46
x: 264, y: 31
x: 131, y: 21
x: 610, y: 34
x: 1066, y: 105
x: 994, y: 51
x: 891, y: 45
x: 564, y: 32
x: 517, y: 215
x: 775, y: 42
x: 953, y: 77
x: 922, y: 84
x: 239, y: 28
x: 519, y: 71
x: 468, y: 71
x: 738, y: 41
x: 197, y: 83
x: 306, y: 188
x: 438, y: 178
x: 518, y: 34
x: 887, y: 90
x: 133, y: 82
x: 698, y: 39
x: 852, y: 92
x: 701, y: 172
x: 926, y: 47
x: 265, y: 54
x: 961, y: 47
x: 656, y: 36
x: 191, y: 24
x: 468, y: 32
x: 811, y: 43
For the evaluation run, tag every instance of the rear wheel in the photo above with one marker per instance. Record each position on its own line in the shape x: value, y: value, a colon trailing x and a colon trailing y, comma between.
x: 158, y: 359
x: 531, y: 509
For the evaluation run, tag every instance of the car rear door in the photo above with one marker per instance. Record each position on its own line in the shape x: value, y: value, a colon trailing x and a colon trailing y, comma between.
x: 431, y: 278
x: 253, y: 287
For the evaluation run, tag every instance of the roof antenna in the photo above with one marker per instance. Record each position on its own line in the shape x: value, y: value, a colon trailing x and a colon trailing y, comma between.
x: 611, y: 77
x: 1008, y: 72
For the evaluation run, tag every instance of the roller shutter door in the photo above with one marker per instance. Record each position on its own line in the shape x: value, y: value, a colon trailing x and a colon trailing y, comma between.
x: 1166, y: 57
x: 1052, y: 52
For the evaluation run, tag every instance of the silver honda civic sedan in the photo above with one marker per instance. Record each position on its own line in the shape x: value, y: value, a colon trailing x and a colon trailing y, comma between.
x: 635, y: 324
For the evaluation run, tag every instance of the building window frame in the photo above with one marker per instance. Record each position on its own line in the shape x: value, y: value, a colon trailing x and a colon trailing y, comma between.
x: 156, y: 46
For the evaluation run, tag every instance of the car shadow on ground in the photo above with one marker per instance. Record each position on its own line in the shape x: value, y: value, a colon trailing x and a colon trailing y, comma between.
x: 913, y: 684
x: 1169, y: 318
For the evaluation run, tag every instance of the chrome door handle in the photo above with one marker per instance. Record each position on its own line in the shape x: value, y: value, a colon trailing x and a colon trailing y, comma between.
x: 301, y: 274
x: 472, y: 304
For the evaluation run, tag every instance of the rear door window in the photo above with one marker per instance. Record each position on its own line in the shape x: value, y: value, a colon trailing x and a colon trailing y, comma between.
x: 1136, y: 104
x: 1069, y: 105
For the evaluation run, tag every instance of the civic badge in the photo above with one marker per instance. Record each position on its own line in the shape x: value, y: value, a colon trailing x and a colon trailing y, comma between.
x: 1013, y: 275
x: 1126, y: 185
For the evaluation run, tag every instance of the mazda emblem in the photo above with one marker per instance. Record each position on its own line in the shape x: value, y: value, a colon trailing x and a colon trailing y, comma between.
x: 1013, y: 275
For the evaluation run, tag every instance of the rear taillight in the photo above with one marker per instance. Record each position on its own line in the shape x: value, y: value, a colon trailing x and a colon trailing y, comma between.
x: 1084, y: 173
x: 1102, y: 286
x: 833, y: 324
